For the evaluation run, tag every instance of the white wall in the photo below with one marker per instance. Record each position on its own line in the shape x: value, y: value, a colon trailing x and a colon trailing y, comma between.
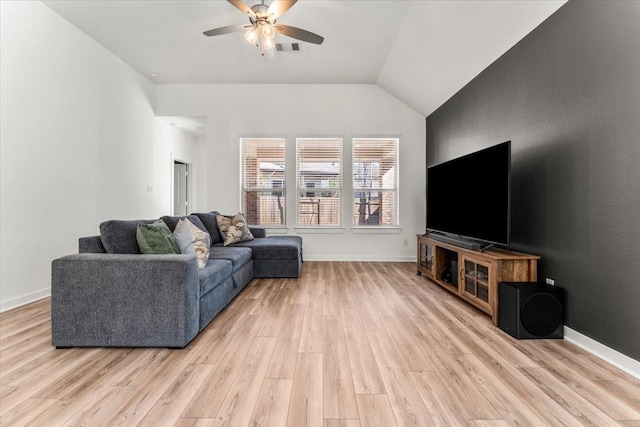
x: 294, y: 111
x: 174, y: 144
x: 80, y: 144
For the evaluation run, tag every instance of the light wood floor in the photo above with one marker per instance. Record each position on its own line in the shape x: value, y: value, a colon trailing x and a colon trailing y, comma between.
x: 347, y: 344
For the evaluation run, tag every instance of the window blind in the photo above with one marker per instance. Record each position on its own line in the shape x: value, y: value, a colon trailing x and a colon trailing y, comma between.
x: 375, y: 181
x: 263, y: 176
x: 319, y: 181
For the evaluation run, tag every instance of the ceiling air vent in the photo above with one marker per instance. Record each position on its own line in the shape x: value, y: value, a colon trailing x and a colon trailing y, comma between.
x: 288, y: 47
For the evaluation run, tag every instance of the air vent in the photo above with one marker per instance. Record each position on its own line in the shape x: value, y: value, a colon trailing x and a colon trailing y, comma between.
x: 288, y: 47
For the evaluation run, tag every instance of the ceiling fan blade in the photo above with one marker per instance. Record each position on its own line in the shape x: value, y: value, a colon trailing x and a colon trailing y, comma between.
x: 299, y: 33
x: 226, y: 30
x: 278, y: 7
x: 243, y: 7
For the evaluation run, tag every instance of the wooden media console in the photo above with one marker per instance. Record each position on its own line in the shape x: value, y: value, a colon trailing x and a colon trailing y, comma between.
x: 474, y: 276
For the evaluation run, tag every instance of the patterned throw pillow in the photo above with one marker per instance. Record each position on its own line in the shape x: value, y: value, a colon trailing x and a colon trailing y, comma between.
x: 156, y: 238
x: 192, y: 240
x: 234, y: 229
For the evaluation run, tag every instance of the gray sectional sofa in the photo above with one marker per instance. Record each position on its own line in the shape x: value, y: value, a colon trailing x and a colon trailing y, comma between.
x: 110, y: 295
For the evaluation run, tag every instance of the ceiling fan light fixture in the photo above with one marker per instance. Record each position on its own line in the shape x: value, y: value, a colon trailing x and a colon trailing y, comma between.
x: 268, y: 43
x: 268, y: 32
x: 251, y: 36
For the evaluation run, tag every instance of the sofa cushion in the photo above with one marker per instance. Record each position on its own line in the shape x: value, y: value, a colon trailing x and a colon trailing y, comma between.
x: 274, y: 247
x: 172, y: 221
x: 119, y: 236
x: 238, y: 256
x: 192, y: 240
x: 156, y: 238
x: 233, y: 230
x: 210, y: 223
x: 214, y: 273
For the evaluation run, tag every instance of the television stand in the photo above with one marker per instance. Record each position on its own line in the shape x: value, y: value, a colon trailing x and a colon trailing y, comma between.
x: 473, y: 275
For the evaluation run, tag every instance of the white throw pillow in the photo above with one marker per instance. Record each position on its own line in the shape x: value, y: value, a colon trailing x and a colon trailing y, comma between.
x: 192, y: 240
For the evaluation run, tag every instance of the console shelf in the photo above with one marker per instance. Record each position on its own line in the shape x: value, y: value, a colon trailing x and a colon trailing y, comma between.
x: 472, y: 275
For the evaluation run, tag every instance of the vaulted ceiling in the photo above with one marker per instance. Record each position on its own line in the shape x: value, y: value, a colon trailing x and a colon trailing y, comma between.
x: 421, y: 52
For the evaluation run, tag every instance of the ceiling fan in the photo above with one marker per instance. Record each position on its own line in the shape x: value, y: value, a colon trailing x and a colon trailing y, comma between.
x: 262, y: 27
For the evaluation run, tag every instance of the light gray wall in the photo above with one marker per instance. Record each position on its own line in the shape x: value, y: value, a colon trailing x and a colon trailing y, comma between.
x: 290, y: 111
x: 568, y: 96
x: 79, y: 143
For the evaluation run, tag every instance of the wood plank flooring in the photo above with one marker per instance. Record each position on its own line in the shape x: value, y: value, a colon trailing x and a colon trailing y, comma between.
x: 346, y: 344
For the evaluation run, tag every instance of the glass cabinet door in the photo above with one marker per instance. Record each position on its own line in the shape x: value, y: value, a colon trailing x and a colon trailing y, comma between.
x: 426, y: 253
x: 476, y: 281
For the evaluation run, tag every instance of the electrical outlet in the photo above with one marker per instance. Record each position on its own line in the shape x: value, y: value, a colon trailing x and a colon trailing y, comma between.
x: 405, y: 242
x: 550, y: 281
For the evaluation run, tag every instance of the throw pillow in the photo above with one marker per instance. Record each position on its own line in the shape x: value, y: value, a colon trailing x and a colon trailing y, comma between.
x: 172, y: 221
x: 119, y: 236
x: 233, y: 230
x: 156, y: 238
x: 192, y: 240
x: 210, y: 223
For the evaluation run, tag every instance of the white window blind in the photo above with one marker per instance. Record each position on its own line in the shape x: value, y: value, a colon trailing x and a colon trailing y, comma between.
x: 319, y: 180
x: 375, y: 181
x: 263, y: 180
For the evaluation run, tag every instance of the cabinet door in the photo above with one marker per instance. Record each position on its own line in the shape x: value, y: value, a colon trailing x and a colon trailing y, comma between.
x: 474, y: 276
x: 426, y: 252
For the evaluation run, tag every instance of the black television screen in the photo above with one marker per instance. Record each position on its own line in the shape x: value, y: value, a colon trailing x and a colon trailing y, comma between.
x: 469, y: 196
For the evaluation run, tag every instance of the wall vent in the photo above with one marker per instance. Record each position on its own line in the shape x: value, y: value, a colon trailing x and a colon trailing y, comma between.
x: 288, y: 47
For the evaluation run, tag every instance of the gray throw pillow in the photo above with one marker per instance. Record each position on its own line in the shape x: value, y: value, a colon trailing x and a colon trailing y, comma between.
x: 210, y: 223
x: 233, y: 230
x: 172, y: 221
x: 156, y: 238
x: 119, y: 236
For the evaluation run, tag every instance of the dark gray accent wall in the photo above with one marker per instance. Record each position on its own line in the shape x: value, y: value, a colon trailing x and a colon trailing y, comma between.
x: 568, y: 97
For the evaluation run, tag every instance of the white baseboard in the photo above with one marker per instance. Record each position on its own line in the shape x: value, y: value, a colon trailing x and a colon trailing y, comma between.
x: 363, y: 258
x: 609, y: 355
x: 25, y: 299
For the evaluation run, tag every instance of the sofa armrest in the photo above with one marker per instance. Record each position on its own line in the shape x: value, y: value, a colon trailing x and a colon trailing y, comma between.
x: 258, y: 232
x: 111, y: 300
x: 91, y: 244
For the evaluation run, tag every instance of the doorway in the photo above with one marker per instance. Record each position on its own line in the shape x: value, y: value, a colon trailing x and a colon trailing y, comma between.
x: 180, y: 188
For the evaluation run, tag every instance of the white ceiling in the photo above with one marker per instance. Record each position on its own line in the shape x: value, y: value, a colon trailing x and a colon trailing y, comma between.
x: 421, y: 52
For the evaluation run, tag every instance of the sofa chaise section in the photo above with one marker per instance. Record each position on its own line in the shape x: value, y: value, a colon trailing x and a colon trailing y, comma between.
x: 276, y: 256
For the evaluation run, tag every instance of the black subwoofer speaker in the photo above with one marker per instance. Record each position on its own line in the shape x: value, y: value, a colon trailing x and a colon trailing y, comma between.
x: 531, y: 310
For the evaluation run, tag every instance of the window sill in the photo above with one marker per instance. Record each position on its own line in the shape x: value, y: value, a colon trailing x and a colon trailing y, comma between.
x: 376, y: 229
x: 319, y: 230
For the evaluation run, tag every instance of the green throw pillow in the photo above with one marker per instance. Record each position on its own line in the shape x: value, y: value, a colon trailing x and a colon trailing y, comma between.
x: 156, y: 238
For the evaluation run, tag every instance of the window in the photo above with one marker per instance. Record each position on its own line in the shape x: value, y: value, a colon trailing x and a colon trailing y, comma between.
x: 319, y: 178
x: 375, y: 181
x: 263, y: 180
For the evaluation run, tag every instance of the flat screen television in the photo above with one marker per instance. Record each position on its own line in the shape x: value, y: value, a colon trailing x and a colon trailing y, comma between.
x: 470, y: 197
